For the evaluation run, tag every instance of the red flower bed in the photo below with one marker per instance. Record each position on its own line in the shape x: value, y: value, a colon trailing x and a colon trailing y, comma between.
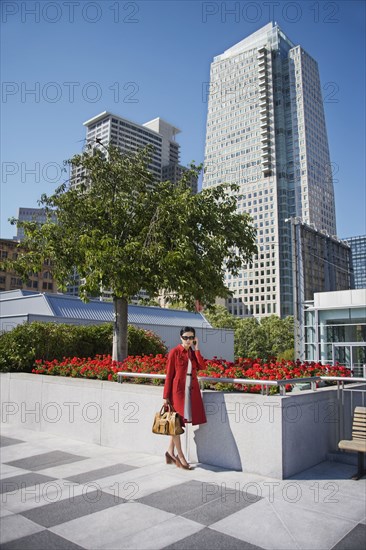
x: 103, y: 368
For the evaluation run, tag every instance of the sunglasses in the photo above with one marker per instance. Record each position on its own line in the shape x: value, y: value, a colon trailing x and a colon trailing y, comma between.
x: 188, y: 337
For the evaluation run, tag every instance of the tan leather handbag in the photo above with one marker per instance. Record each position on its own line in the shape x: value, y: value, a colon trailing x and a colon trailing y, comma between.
x: 167, y: 423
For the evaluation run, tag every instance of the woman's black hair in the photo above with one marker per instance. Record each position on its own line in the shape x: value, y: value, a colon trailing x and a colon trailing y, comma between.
x: 187, y: 329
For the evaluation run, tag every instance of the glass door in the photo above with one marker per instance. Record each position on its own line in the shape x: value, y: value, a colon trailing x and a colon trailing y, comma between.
x: 350, y: 355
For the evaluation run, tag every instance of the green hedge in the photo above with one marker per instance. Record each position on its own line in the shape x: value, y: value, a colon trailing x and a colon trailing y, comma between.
x: 20, y: 347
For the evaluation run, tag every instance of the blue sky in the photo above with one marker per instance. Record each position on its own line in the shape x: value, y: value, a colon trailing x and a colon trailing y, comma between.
x: 152, y: 58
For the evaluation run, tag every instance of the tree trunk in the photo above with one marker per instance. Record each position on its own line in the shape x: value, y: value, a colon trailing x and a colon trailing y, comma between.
x: 120, y: 342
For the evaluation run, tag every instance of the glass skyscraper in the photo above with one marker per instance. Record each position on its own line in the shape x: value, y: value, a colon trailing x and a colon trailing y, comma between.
x: 266, y: 132
x: 358, y: 259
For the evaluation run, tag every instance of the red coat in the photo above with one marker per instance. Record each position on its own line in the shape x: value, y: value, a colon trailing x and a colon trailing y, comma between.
x: 175, y: 382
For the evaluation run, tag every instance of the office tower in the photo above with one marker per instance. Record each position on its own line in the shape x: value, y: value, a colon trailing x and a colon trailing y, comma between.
x: 358, y: 260
x: 30, y: 215
x: 322, y: 262
x: 109, y: 128
x: 266, y: 132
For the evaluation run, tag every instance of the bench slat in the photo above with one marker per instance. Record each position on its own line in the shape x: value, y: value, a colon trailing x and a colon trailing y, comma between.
x: 358, y: 441
x: 355, y: 445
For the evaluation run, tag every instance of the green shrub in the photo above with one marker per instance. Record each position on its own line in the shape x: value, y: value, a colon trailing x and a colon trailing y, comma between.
x: 287, y: 355
x: 20, y: 347
x: 144, y: 342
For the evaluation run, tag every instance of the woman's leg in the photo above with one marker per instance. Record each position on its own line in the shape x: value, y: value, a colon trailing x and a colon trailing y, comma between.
x: 176, y: 439
x: 171, y: 445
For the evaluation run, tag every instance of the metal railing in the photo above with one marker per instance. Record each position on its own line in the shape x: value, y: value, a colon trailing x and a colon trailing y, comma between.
x: 341, y: 390
x: 265, y: 384
x: 340, y: 383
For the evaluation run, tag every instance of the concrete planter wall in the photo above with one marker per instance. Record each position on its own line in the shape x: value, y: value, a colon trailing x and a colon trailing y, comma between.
x: 273, y: 436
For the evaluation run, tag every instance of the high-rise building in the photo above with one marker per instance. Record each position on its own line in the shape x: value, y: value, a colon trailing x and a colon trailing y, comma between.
x: 107, y: 128
x: 266, y: 132
x: 321, y: 263
x: 30, y: 215
x: 358, y: 260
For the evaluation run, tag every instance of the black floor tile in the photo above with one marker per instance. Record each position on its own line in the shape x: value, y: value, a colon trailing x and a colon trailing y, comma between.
x: 354, y: 540
x: 71, y: 508
x: 45, y: 460
x: 22, y: 481
x: 182, y: 498
x: 208, y: 539
x: 204, y: 503
x: 44, y: 540
x: 6, y: 441
x: 218, y: 509
x: 92, y: 475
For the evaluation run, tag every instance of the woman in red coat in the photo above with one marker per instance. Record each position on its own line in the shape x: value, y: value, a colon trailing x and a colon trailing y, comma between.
x: 182, y: 390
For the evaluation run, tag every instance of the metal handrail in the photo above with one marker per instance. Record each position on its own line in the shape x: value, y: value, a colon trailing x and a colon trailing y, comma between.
x: 261, y: 382
x: 243, y: 381
x: 344, y: 378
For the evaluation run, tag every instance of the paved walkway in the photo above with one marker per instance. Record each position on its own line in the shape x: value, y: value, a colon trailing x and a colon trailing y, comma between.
x: 60, y: 493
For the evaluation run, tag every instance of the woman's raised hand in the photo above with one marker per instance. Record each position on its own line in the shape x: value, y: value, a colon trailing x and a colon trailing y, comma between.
x: 195, y: 344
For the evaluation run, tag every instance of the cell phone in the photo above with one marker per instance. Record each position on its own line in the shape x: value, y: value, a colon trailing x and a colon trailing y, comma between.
x: 194, y: 342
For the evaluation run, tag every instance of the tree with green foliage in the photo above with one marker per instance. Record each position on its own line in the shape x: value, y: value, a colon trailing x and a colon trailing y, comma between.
x: 124, y: 232
x: 278, y: 334
x: 269, y: 337
x: 219, y: 317
x: 249, y: 339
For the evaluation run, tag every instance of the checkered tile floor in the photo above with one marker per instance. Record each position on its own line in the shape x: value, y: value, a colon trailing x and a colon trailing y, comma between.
x: 62, y: 494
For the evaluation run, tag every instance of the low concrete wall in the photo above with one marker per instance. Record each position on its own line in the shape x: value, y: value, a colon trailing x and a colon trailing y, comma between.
x: 274, y: 436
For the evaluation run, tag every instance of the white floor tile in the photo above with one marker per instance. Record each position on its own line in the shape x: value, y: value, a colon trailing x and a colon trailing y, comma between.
x: 132, y: 489
x: 15, y: 526
x: 158, y: 536
x: 10, y: 471
x: 122, y: 520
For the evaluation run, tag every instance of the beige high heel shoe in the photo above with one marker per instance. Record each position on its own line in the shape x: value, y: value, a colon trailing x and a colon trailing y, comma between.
x: 180, y: 464
x: 169, y: 459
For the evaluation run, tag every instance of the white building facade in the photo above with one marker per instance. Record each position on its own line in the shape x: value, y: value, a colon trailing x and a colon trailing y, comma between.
x: 108, y: 128
x: 26, y: 214
x: 266, y: 132
x: 335, y: 329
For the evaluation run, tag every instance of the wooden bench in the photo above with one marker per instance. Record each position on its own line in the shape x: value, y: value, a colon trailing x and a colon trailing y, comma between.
x: 358, y: 442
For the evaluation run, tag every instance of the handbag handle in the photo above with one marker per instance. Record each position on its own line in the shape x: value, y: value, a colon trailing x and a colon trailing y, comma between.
x: 170, y: 408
